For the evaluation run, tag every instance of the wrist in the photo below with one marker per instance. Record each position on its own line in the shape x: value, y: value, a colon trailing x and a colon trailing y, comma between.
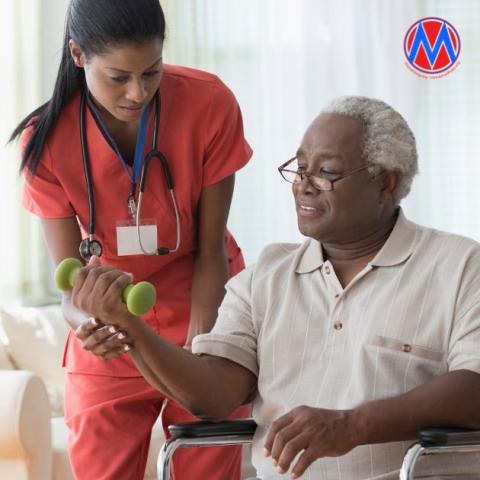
x: 359, y: 426
x: 123, y: 319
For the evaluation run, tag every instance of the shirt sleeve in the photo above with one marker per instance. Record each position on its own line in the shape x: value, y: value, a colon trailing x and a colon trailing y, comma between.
x: 464, y: 346
x: 226, y: 148
x: 43, y: 195
x: 464, y: 351
x: 233, y: 336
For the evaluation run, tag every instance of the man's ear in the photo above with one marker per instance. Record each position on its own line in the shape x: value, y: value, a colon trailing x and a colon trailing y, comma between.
x: 390, y: 182
x: 77, y: 54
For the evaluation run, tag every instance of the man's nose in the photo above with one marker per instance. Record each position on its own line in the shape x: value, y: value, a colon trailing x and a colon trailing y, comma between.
x: 304, y: 186
x: 136, y: 91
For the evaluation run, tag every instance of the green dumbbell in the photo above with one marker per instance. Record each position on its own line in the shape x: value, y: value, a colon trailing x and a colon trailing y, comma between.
x: 139, y: 297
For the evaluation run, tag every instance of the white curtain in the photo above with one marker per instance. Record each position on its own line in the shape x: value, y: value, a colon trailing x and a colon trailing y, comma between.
x: 284, y: 60
x: 446, y: 194
x: 30, y: 37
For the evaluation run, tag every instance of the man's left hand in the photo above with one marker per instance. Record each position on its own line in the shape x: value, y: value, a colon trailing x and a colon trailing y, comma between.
x: 315, y: 432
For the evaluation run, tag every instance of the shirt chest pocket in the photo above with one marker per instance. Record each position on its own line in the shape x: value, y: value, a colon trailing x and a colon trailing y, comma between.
x: 405, y: 348
x: 402, y: 364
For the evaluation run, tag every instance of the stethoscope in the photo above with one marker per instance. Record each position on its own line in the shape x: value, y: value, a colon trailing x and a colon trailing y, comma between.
x: 91, y: 246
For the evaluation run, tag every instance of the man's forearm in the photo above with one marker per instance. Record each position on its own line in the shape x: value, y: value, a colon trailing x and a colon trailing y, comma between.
x: 163, y: 364
x: 147, y: 372
x: 201, y: 384
x: 452, y: 400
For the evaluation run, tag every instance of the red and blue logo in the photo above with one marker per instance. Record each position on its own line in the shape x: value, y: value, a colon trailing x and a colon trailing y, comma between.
x: 432, y: 45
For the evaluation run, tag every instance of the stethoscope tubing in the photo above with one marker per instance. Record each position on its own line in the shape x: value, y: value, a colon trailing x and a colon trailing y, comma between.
x: 86, y: 170
x: 154, y: 153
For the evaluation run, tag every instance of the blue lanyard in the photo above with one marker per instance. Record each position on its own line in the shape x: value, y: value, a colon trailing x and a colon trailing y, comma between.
x: 139, y: 146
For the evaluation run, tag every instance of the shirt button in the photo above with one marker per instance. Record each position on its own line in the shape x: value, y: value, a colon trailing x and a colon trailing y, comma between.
x: 338, y: 325
x: 327, y: 269
x: 337, y: 295
x: 406, y: 348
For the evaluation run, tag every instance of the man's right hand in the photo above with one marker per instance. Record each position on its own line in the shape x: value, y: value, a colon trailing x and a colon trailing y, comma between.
x: 104, y: 341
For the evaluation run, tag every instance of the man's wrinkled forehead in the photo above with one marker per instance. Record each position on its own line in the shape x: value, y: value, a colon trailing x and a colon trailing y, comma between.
x: 332, y: 135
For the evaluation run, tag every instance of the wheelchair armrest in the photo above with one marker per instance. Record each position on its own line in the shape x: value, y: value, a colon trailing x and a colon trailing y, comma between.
x: 447, y: 437
x: 213, y: 429
x: 437, y: 441
x: 203, y: 434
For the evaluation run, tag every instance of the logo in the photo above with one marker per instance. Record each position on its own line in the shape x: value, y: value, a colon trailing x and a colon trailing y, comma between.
x: 432, y: 46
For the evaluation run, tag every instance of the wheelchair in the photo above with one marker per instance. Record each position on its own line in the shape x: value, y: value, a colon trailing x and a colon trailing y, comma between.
x: 431, y: 441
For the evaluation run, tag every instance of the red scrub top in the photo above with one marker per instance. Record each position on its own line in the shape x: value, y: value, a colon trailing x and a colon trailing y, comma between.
x: 201, y: 134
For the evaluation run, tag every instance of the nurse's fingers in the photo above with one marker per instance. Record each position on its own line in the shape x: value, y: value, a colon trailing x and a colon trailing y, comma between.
x: 106, y: 340
x: 116, y: 352
x: 115, y: 341
x: 98, y: 337
x: 87, y: 328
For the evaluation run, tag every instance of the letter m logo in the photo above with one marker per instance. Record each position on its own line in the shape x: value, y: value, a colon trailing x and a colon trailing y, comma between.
x: 432, y: 45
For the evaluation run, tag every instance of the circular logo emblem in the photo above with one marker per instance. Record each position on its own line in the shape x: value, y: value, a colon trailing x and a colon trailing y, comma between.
x: 432, y: 45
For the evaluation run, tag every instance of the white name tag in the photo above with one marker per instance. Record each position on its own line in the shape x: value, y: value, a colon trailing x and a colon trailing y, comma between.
x: 127, y: 239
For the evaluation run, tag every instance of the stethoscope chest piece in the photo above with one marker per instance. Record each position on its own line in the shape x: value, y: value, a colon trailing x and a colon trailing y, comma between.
x: 88, y: 248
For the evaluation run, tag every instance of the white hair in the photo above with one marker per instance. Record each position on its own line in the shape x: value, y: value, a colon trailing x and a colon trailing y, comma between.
x: 388, y: 141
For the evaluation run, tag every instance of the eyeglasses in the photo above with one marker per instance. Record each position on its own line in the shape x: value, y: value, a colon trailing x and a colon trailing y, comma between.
x: 295, y: 175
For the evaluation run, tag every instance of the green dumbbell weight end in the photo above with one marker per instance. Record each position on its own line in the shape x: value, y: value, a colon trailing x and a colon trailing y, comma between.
x: 139, y: 297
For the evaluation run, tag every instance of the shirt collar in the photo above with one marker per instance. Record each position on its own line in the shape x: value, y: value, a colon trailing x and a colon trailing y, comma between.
x: 399, y: 245
x: 396, y: 250
x: 311, y: 258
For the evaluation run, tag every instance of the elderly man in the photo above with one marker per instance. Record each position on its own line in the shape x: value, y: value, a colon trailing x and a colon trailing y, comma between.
x: 347, y: 344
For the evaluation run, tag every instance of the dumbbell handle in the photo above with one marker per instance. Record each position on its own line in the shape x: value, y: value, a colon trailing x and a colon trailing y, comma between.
x: 139, y: 297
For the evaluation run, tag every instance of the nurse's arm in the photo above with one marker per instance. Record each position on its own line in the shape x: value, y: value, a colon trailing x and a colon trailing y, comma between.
x: 63, y: 237
x: 210, y: 272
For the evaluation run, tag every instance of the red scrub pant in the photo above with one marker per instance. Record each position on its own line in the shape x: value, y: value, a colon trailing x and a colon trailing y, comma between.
x: 110, y: 421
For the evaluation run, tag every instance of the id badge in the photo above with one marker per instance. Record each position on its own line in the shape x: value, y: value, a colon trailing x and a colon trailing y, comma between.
x: 127, y: 237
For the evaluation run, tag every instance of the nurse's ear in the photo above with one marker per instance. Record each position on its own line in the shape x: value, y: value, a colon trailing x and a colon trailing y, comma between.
x: 77, y: 54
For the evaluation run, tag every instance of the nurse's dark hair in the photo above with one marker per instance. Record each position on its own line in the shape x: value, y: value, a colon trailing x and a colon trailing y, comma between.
x: 94, y: 26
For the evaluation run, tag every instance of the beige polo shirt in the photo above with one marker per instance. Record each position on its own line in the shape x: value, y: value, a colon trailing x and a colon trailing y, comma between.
x: 411, y: 314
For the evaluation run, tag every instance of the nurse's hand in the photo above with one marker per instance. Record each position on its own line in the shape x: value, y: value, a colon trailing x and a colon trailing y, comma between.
x: 97, y: 291
x: 104, y: 341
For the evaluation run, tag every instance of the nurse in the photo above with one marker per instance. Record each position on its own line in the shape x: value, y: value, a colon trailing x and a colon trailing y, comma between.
x: 82, y: 155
